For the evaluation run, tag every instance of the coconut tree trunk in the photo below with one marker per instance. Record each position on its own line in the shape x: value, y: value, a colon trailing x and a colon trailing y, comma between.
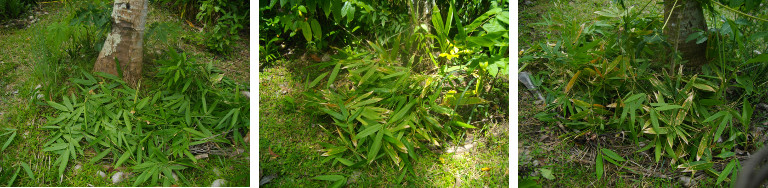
x: 123, y: 46
x: 685, y: 17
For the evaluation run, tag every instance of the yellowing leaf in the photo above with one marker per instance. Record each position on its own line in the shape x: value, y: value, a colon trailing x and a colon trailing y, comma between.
x: 485, y: 169
x: 573, y: 81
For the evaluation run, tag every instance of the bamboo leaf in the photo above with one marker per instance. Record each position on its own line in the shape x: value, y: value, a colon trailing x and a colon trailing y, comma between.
x: 668, y: 107
x: 28, y: 170
x: 721, y: 127
x: 13, y: 178
x: 329, y: 177
x: 374, y: 151
x: 368, y: 131
x: 462, y: 124
x: 400, y: 114
x: 717, y: 115
x: 599, y: 165
x: 334, y: 73
x: 8, y: 142
x: 612, y: 155
x: 314, y: 82
x: 726, y: 171
x: 123, y: 158
x: 572, y: 81
x: 345, y: 161
x: 100, y: 156
x: 57, y: 106
x: 63, y: 163
x: 56, y: 147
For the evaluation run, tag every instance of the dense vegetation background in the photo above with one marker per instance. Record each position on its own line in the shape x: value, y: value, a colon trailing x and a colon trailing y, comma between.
x: 383, y: 93
x: 623, y: 106
x: 183, y: 125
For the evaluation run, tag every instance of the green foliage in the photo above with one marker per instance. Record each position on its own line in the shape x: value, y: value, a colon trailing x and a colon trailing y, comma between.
x: 225, y: 32
x: 607, y: 75
x: 11, y: 135
x: 13, y: 9
x: 151, y: 134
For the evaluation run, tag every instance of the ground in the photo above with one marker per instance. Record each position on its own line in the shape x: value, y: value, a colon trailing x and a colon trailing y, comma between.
x: 19, y: 109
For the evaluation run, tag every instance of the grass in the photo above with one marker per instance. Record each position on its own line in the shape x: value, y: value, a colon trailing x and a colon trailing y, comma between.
x: 20, y: 62
x: 289, y: 141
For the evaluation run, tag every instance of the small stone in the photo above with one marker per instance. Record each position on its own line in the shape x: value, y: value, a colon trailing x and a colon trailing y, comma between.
x: 175, y: 177
x: 101, y: 174
x: 118, y: 177
x: 40, y: 96
x: 267, y: 179
x: 687, y: 181
x: 216, y: 171
x: 219, y: 183
x: 77, y: 168
x: 353, y: 178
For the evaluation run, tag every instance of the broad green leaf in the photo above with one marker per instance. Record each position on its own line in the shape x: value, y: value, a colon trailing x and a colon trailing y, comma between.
x: 318, y: 32
x: 13, y: 178
x: 339, y: 183
x: 612, y: 155
x: 599, y: 165
x: 99, y: 156
x: 348, y: 10
x: 634, y: 97
x: 400, y: 114
x: 28, y: 170
x: 721, y: 127
x: 368, y: 131
x: 374, y: 150
x: 724, y: 155
x: 657, y: 150
x: 547, y: 173
x: 334, y: 151
x: 123, y: 158
x: 366, y: 102
x: 703, y: 145
x: 758, y: 58
x: 329, y: 177
x: 668, y: 107
x: 56, y: 147
x: 334, y: 114
x: 334, y: 73
x: 345, y: 161
x: 63, y: 162
x: 368, y: 74
x: 726, y: 171
x: 8, y: 142
x: 713, y: 117
x: 306, y: 31
x: 695, y: 166
x: 57, y: 106
x: 314, y: 82
x: 195, y: 132
x: 396, y: 143
x: 462, y: 124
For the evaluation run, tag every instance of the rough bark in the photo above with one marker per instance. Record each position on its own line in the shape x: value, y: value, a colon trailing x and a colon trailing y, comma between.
x: 125, y: 42
x: 686, y: 18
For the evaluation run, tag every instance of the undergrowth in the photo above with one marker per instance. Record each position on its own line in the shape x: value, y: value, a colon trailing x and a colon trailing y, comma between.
x: 614, y: 74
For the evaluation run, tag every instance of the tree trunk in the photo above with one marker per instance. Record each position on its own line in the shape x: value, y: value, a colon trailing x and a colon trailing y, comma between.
x: 687, y: 17
x: 125, y: 42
